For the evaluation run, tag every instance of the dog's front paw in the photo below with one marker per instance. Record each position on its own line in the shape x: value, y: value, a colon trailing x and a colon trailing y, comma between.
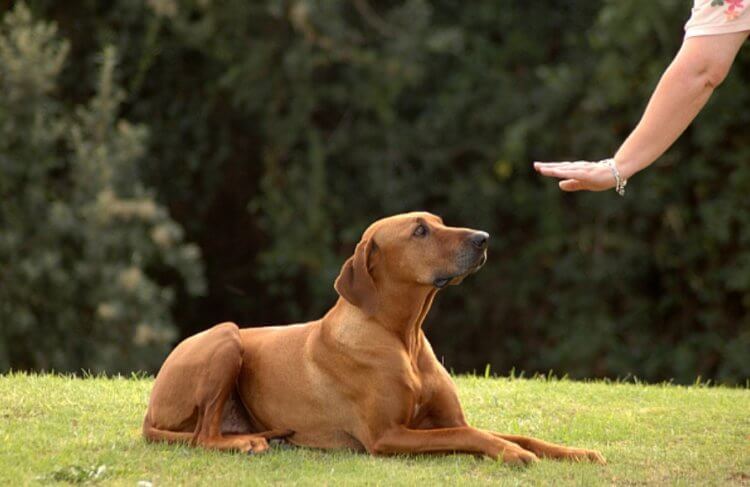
x: 583, y: 455
x: 519, y: 457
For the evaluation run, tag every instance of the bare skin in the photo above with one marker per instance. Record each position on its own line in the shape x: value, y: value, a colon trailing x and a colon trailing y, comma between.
x: 699, y: 67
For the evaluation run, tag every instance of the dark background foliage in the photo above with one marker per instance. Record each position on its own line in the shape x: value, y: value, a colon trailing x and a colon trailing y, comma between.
x: 280, y: 129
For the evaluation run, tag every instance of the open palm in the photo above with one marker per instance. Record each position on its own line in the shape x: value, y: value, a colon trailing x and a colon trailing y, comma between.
x: 578, y: 175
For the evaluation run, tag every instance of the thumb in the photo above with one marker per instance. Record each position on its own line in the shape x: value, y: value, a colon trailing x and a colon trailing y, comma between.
x: 571, y: 185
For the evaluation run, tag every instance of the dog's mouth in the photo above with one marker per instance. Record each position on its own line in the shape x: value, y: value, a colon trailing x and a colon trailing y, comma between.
x: 442, y: 281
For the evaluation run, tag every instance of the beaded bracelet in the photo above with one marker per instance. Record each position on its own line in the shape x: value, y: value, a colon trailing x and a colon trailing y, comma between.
x: 620, y: 183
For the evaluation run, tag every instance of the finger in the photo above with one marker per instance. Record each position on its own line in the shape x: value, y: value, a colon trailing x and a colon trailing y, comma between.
x: 561, y: 173
x: 539, y: 165
x: 571, y: 185
x: 581, y: 165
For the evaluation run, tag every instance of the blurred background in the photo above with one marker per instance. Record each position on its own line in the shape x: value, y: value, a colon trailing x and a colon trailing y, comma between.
x: 169, y: 164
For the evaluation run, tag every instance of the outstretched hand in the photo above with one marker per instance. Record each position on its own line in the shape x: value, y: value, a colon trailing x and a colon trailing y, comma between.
x: 579, y: 175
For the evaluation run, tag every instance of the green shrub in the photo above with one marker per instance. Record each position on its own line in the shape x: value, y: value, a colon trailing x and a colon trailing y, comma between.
x: 81, y: 235
x: 284, y: 128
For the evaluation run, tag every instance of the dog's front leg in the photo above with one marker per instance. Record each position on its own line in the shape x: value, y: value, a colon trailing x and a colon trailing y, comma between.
x: 464, y: 439
x: 550, y: 450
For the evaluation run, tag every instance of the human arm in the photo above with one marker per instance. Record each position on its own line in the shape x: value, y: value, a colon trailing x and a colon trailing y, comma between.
x: 700, y: 66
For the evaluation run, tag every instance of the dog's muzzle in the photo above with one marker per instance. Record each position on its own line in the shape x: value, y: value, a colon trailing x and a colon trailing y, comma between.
x: 470, y: 260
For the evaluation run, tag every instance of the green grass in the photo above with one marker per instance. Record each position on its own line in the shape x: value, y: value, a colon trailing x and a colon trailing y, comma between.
x: 62, y: 429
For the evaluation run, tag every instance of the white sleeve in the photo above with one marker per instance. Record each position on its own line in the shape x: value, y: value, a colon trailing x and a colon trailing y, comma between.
x: 714, y: 17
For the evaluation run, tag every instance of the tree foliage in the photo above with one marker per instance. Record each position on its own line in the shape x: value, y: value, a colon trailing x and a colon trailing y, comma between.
x: 282, y: 128
x: 81, y: 235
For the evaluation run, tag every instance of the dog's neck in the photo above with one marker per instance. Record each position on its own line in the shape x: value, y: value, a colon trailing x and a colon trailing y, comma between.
x: 401, y: 311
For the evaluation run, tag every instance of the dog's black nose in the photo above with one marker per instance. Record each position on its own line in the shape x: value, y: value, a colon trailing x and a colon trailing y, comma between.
x: 479, y: 240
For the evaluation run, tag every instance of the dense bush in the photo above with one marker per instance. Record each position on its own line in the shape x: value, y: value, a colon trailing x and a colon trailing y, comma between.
x: 81, y: 236
x: 281, y: 128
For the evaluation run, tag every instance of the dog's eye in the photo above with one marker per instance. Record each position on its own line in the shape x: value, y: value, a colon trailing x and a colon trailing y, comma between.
x: 420, y: 231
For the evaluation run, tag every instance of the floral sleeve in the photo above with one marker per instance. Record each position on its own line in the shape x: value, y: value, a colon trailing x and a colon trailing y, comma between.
x: 733, y: 7
x: 713, y: 17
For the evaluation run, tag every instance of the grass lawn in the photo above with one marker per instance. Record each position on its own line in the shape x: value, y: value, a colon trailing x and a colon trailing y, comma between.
x: 61, y: 429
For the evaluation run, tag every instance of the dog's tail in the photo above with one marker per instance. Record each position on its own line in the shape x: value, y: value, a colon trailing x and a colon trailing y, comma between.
x: 154, y: 434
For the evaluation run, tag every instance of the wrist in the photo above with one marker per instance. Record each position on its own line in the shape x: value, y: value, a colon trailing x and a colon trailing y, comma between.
x: 627, y: 167
x: 620, y: 180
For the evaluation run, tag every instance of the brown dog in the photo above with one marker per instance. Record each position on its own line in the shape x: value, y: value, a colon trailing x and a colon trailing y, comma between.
x: 363, y: 377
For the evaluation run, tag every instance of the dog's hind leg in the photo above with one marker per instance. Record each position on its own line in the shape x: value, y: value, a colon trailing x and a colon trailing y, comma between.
x: 192, y: 388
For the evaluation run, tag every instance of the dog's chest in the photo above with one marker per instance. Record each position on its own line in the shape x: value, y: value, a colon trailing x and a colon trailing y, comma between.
x: 415, y: 412
x: 422, y: 392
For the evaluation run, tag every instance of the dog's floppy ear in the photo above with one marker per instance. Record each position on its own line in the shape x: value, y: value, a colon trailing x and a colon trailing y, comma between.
x: 355, y: 283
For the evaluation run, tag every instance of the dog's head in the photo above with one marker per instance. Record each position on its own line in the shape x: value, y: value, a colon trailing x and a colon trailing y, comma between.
x: 413, y: 249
